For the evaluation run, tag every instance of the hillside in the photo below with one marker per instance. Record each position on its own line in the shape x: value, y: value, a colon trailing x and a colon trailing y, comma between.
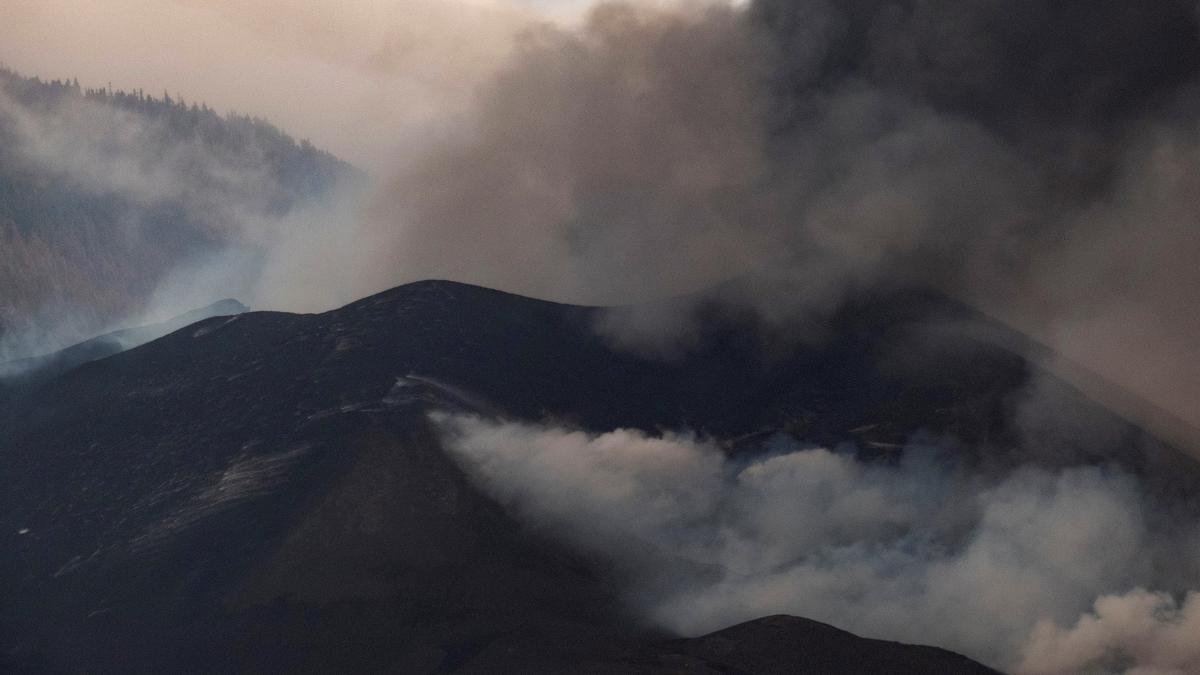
x: 268, y: 492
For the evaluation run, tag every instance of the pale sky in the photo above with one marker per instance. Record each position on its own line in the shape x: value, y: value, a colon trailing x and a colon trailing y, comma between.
x: 363, y: 78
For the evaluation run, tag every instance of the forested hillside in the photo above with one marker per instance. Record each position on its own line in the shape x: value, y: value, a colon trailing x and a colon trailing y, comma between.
x: 103, y: 193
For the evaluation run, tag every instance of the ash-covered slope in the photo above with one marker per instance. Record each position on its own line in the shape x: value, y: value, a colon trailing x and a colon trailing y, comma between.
x: 266, y: 491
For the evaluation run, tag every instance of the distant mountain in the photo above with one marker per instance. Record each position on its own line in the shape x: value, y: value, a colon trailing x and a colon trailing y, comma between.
x: 103, y: 193
x: 267, y: 492
x: 46, y: 366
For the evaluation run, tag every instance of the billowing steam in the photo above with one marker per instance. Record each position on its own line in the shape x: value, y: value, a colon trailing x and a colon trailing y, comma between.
x: 372, y: 81
x: 1040, y: 162
x: 1152, y: 631
x: 1005, y: 568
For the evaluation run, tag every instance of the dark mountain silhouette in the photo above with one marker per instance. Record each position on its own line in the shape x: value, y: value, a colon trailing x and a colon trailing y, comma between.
x: 788, y: 644
x: 266, y: 491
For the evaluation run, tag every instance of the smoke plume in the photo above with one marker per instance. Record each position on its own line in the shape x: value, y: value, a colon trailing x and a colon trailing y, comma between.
x: 1005, y: 568
x: 366, y: 80
x: 1037, y: 162
x: 1143, y: 632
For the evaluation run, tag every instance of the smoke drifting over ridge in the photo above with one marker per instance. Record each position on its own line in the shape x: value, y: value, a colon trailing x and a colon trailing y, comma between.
x: 1033, y: 570
x: 1039, y: 161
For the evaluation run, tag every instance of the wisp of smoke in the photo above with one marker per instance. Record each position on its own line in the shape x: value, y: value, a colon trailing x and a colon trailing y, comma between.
x: 1005, y: 568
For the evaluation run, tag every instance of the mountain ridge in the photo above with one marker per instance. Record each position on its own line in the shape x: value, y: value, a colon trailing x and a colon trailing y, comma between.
x: 246, y: 491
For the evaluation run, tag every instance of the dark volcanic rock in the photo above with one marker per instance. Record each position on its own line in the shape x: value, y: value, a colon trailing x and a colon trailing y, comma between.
x: 789, y: 645
x: 265, y: 491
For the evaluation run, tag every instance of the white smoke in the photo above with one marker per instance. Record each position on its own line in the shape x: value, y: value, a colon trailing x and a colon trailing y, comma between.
x: 1139, y: 633
x: 919, y: 550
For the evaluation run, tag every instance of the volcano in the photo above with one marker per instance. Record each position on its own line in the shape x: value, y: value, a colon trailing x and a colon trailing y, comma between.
x: 266, y: 492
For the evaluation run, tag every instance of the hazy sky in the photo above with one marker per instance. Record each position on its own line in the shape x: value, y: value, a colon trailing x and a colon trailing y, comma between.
x: 327, y: 70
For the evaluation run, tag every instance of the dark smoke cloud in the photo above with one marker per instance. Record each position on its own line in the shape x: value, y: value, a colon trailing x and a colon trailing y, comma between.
x: 1036, y: 160
x: 592, y: 155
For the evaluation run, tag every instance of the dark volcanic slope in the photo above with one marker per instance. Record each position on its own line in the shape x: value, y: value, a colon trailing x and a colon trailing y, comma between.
x: 787, y: 644
x: 265, y: 492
